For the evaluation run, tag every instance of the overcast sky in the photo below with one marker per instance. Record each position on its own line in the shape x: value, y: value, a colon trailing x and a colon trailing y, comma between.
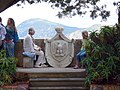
x: 44, y: 11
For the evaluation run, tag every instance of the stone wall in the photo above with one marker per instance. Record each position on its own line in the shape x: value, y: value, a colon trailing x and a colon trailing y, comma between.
x: 40, y: 42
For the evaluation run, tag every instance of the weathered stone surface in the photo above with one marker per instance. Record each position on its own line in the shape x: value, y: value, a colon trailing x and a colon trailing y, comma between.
x: 98, y: 88
x: 28, y: 62
x: 40, y: 42
x: 21, y: 88
x: 55, y: 78
x: 104, y: 87
x: 59, y: 50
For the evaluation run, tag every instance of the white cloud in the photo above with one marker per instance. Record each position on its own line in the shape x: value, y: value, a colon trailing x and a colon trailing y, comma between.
x: 44, y: 11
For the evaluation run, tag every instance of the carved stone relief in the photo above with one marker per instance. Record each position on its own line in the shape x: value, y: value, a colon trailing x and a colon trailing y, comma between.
x: 59, y: 50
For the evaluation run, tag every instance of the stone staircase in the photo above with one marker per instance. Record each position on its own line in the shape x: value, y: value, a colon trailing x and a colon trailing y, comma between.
x: 56, y: 79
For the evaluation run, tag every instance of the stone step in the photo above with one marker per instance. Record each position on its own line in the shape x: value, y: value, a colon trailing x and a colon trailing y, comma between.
x: 59, y: 72
x: 43, y: 82
x: 58, y: 88
x: 55, y: 78
x: 57, y: 75
x: 53, y: 72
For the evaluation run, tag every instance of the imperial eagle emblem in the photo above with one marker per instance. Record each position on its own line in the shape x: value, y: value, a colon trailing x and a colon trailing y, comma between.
x: 59, y: 50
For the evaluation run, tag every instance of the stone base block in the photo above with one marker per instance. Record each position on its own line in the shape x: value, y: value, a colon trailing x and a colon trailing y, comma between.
x: 28, y: 62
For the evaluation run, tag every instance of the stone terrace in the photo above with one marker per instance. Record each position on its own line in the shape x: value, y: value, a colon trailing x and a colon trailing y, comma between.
x: 40, y: 42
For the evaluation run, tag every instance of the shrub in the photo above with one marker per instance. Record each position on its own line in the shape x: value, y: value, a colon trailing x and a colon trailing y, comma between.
x: 7, y: 68
x: 103, y: 55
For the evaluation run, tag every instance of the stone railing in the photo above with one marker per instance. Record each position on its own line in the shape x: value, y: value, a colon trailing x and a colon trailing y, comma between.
x: 40, y: 42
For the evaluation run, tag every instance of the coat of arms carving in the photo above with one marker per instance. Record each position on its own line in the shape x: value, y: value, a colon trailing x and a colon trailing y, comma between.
x: 59, y: 50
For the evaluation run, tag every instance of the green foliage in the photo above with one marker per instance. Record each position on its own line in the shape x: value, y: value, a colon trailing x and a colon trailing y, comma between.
x: 7, y: 68
x: 103, y: 55
x: 76, y: 7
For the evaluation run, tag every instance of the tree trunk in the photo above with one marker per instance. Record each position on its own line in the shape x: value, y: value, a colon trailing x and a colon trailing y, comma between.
x: 118, y: 16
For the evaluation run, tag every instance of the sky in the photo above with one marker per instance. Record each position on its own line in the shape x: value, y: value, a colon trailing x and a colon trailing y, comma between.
x: 44, y: 11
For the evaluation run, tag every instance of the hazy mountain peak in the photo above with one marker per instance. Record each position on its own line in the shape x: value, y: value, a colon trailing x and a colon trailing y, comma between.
x: 43, y: 28
x: 78, y: 34
x: 46, y: 29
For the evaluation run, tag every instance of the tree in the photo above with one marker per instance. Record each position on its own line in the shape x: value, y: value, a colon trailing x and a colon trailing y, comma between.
x: 118, y: 9
x: 4, y: 4
x: 76, y: 7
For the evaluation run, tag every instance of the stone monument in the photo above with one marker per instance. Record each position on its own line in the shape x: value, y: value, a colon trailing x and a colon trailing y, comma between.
x: 59, y: 50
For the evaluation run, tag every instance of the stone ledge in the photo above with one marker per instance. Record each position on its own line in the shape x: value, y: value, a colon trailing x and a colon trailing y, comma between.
x: 49, y: 70
x: 58, y: 88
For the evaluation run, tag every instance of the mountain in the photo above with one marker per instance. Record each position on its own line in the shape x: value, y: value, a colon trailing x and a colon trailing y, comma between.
x: 78, y: 35
x: 43, y: 28
x: 46, y: 29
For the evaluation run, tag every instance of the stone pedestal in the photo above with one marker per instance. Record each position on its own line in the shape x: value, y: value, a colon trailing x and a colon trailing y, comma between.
x: 28, y: 62
x: 59, y: 50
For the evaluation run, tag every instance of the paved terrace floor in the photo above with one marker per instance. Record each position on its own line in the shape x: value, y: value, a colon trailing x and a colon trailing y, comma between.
x: 48, y: 70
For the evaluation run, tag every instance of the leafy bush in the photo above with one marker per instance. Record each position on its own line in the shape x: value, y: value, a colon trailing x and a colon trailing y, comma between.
x: 7, y: 68
x: 103, y: 55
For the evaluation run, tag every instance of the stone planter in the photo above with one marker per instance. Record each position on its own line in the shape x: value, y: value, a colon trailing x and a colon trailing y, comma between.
x: 104, y: 87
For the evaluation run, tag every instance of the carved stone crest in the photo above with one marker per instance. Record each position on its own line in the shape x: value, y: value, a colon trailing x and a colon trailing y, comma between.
x: 59, y: 50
